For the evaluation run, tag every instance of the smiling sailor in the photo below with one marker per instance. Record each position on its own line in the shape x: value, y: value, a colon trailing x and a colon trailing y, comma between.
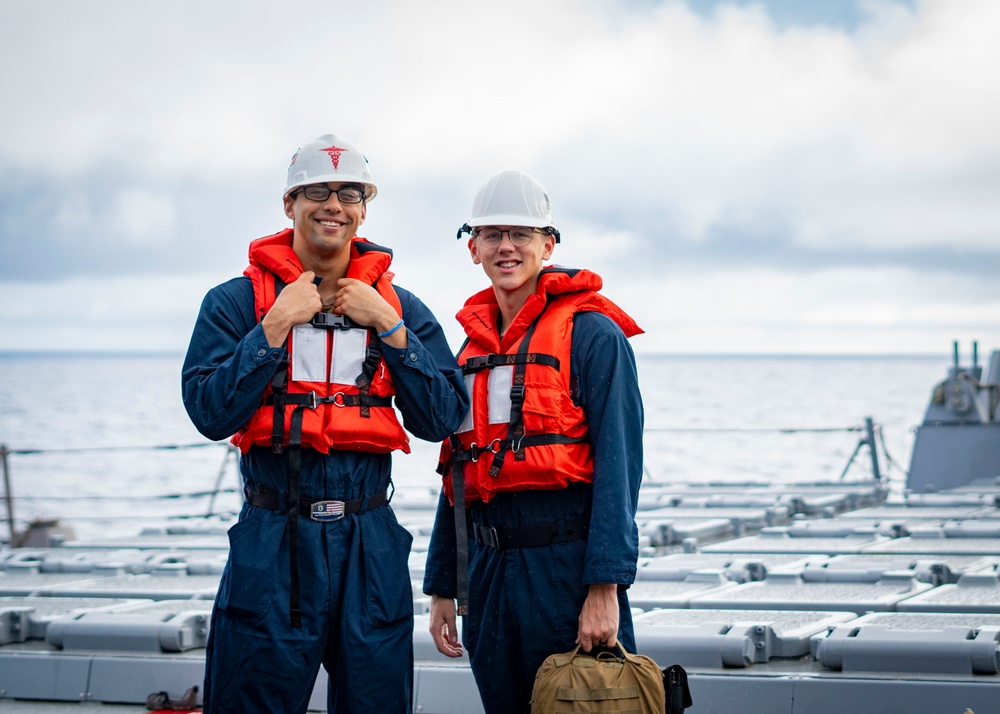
x: 300, y: 361
x: 541, y: 480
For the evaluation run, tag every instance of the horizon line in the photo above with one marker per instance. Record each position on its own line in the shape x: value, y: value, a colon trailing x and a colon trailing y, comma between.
x: 21, y: 353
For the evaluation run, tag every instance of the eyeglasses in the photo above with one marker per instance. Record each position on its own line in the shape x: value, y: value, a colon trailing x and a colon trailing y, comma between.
x: 492, y: 237
x: 345, y: 194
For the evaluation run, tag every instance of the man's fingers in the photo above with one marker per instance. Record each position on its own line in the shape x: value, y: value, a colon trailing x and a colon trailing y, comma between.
x: 446, y: 643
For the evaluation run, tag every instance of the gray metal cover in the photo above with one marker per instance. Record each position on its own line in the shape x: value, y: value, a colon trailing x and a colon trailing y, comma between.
x: 974, y: 592
x: 178, y: 586
x: 792, y: 593
x: 131, y: 631
x: 729, y: 638
x: 651, y: 594
x: 783, y: 542
x: 903, y: 642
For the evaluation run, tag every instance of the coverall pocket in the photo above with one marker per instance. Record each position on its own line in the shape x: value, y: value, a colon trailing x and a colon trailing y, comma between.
x: 386, y: 546
x: 248, y: 586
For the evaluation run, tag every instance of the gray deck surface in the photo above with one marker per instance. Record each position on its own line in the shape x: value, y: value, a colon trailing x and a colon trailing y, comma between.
x: 775, y: 616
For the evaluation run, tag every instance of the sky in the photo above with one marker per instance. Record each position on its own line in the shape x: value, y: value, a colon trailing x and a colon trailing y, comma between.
x: 775, y: 177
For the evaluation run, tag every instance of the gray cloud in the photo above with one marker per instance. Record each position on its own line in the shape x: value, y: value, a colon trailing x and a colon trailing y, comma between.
x: 791, y: 142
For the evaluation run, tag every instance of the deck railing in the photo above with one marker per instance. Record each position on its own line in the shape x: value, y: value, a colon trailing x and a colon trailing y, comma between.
x: 871, y: 438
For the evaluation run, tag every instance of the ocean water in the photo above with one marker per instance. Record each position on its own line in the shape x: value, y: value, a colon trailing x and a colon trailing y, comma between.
x: 111, y: 448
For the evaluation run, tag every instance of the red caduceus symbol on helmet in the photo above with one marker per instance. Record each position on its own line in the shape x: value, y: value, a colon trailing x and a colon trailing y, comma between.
x: 334, y: 152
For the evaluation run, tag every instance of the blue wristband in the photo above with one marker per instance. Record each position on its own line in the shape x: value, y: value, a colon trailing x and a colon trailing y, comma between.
x: 390, y: 331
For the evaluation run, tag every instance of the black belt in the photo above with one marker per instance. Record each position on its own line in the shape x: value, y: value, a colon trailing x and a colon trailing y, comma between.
x: 322, y: 511
x: 530, y: 536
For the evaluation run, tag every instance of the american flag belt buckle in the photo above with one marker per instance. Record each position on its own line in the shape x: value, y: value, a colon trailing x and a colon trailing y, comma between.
x: 326, y: 511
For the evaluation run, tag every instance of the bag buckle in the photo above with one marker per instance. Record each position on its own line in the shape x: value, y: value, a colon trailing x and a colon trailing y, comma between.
x: 326, y: 511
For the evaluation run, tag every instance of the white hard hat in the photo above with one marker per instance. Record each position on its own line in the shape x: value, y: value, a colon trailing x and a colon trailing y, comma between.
x: 512, y: 198
x: 328, y: 160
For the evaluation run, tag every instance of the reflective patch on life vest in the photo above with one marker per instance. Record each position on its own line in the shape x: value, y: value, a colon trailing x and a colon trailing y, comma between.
x: 309, y: 348
x: 468, y: 421
x: 308, y: 345
x: 498, y: 389
x: 349, y: 350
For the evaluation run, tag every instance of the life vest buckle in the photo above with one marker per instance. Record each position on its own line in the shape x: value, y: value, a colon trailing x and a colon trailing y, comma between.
x: 494, y: 447
x: 330, y: 321
x: 476, y: 363
x: 338, y: 400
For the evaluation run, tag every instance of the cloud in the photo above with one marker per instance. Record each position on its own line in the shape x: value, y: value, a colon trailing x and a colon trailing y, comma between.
x: 702, y: 141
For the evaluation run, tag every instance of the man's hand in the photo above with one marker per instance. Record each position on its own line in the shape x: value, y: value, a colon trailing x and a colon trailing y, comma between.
x: 365, y: 306
x: 443, y: 626
x: 599, y: 617
x: 295, y: 305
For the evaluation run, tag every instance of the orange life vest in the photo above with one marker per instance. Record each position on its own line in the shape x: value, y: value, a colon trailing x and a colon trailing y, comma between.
x: 524, y: 429
x: 333, y: 388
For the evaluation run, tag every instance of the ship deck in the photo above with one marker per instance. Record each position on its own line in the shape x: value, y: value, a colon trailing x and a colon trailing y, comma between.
x: 806, y: 597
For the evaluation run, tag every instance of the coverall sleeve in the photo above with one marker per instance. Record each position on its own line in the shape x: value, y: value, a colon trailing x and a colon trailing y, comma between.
x: 228, y: 364
x: 609, y: 395
x: 440, y: 576
x: 430, y: 391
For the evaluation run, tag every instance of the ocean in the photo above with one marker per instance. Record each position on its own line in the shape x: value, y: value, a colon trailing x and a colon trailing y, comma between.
x: 103, y: 442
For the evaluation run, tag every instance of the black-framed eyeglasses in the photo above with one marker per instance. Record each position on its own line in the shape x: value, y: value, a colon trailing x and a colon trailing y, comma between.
x: 519, y: 236
x: 345, y: 194
x: 466, y: 228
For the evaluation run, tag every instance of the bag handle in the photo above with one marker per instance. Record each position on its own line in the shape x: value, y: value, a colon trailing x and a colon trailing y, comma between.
x: 603, y: 651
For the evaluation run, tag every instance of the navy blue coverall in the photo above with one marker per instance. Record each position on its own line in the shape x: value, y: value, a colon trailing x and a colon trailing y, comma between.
x: 524, y: 604
x: 356, y: 599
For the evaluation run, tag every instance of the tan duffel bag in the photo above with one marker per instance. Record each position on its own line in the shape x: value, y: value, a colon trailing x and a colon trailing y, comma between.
x: 601, y: 681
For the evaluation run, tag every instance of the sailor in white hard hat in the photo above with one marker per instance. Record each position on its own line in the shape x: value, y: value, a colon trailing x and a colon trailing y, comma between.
x: 304, y: 361
x: 541, y: 480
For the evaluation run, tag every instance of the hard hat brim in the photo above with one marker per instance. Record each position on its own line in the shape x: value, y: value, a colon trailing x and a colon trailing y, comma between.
x: 508, y: 219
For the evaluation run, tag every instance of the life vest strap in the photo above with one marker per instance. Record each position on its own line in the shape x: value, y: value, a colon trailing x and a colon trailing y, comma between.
x: 277, y: 400
x: 461, y: 538
x: 373, y: 356
x: 478, y: 363
x: 515, y: 425
x: 313, y: 400
x: 499, y: 446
